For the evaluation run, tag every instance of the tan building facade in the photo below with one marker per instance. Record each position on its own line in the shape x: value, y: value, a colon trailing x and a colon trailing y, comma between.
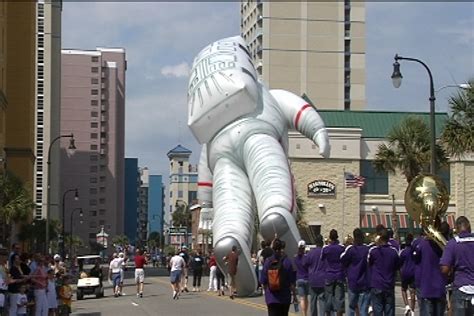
x: 18, y: 84
x: 354, y: 138
x: 313, y: 48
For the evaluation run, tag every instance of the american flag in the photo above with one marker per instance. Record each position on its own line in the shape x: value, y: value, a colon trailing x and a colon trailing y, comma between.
x: 353, y: 181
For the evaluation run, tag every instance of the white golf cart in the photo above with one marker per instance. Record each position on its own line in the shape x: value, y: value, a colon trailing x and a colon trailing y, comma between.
x: 87, y: 284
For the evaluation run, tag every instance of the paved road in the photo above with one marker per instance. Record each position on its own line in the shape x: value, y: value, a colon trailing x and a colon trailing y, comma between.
x: 157, y: 301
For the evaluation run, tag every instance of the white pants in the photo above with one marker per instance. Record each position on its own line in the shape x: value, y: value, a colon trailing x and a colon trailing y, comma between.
x: 13, y: 307
x: 41, y: 303
x: 212, y: 279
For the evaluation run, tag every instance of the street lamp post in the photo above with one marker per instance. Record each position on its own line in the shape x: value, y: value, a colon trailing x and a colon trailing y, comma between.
x: 72, y: 215
x: 76, y: 197
x: 397, y: 81
x: 71, y: 149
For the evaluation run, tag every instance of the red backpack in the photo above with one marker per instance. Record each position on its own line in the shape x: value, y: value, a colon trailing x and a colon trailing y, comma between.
x: 276, y: 275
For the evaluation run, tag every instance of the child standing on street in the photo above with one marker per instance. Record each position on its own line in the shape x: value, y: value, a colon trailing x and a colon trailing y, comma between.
x: 65, y: 295
x: 51, y: 294
x: 21, y: 301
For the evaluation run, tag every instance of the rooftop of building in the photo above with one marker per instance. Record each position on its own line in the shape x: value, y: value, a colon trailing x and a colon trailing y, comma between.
x: 376, y: 124
x: 179, y: 151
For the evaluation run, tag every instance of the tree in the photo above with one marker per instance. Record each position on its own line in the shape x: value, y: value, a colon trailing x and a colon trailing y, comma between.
x: 458, y: 134
x: 154, y: 239
x: 120, y: 240
x: 181, y: 216
x: 35, y: 233
x: 73, y: 242
x: 408, y: 150
x: 16, y: 204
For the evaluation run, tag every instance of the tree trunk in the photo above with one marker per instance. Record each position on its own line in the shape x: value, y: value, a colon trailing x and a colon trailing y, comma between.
x: 394, y: 219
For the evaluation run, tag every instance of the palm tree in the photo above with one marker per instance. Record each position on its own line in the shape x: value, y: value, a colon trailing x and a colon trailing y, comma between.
x: 16, y: 204
x: 181, y: 217
x: 408, y: 150
x: 35, y: 233
x: 458, y: 134
x: 73, y: 242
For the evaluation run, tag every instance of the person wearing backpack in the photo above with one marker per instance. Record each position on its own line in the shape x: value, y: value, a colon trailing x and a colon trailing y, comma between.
x: 278, y: 279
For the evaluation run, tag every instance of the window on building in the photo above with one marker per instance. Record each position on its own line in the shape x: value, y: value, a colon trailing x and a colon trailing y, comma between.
x: 102, y: 190
x: 101, y: 222
x: 94, y: 114
x: 93, y: 169
x: 94, y: 102
x: 103, y: 168
x: 94, y: 157
x: 93, y: 191
x: 93, y: 213
x: 102, y: 201
x: 94, y: 135
x: 94, y: 124
x: 102, y: 212
x: 375, y: 183
x: 93, y: 180
x: 192, y: 196
x: 95, y: 59
x: 171, y: 194
x: 102, y: 179
x: 94, y: 92
x: 95, y: 70
x: 180, y: 170
x: 94, y: 80
x: 180, y: 194
x: 93, y: 147
x: 93, y: 202
x: 92, y: 224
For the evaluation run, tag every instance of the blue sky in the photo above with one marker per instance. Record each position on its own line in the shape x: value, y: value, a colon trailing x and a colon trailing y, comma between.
x: 161, y: 40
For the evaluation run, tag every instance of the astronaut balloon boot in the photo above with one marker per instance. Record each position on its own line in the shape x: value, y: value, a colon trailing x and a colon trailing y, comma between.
x: 243, y: 167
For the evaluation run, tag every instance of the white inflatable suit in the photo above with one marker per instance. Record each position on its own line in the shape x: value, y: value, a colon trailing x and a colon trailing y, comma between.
x: 244, y: 131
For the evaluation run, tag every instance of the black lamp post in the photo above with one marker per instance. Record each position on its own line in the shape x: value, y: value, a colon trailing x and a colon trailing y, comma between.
x: 71, y: 149
x: 72, y: 227
x: 76, y: 197
x: 397, y: 81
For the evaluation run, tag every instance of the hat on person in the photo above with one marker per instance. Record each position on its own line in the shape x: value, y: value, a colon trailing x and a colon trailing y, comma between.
x: 184, y: 247
x: 57, y: 257
x: 195, y: 206
x: 301, y: 244
x: 121, y: 255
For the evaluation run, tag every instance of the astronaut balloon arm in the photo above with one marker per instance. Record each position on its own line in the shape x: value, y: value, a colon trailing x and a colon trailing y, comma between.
x: 304, y: 118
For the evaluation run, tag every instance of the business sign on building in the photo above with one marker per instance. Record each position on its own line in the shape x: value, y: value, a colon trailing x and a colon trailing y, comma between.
x: 321, y: 188
x: 177, y: 230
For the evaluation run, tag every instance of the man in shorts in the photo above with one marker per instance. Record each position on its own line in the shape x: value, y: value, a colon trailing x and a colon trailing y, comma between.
x: 184, y: 280
x: 177, y: 266
x: 114, y: 274
x: 232, y: 260
x: 140, y: 262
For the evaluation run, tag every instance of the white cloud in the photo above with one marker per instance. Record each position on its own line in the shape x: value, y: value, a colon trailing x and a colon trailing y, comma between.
x: 178, y: 71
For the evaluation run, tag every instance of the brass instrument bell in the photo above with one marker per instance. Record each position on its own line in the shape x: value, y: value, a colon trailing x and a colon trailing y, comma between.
x: 426, y: 200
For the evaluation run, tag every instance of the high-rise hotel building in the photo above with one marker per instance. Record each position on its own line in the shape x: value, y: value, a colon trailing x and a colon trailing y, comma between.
x: 93, y: 108
x: 313, y: 48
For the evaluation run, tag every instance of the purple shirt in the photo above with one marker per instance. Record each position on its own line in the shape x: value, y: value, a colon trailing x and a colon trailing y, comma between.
x: 394, y: 243
x: 407, y: 270
x: 354, y: 258
x: 459, y: 255
x: 432, y: 281
x: 301, y: 267
x: 284, y: 295
x: 383, y: 262
x: 331, y: 256
x: 417, y: 270
x: 316, y: 268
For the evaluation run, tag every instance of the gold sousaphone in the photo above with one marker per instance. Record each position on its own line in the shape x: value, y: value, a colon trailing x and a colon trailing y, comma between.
x: 426, y: 200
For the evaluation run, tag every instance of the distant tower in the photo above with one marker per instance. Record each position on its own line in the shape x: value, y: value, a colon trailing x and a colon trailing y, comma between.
x: 183, y: 179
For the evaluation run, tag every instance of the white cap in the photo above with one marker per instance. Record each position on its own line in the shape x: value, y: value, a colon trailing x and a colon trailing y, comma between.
x: 301, y: 244
x: 195, y: 206
x: 121, y: 255
x: 57, y: 257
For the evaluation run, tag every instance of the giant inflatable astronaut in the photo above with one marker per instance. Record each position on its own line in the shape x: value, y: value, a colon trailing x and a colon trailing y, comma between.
x: 244, y: 131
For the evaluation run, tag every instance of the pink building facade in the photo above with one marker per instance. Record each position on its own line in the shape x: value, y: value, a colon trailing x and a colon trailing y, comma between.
x: 93, y: 109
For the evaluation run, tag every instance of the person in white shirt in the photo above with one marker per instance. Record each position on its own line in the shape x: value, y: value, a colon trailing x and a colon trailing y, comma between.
x: 21, y: 302
x: 114, y: 273
x: 177, y: 265
x: 121, y: 257
x: 51, y: 295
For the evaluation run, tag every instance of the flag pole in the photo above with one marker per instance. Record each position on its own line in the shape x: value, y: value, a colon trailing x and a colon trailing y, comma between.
x: 343, y: 197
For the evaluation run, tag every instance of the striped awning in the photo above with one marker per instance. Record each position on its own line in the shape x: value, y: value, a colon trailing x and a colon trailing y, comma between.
x: 372, y: 219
